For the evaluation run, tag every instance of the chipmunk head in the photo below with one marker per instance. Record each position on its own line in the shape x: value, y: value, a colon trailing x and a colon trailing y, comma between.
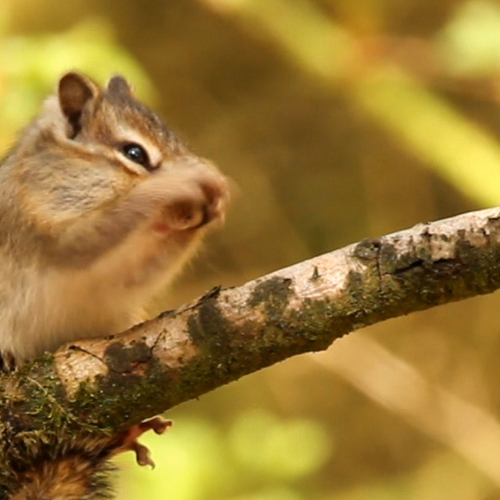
x: 93, y: 145
x: 114, y: 118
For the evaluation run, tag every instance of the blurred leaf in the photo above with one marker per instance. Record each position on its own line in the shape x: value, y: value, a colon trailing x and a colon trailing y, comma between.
x: 273, y: 494
x: 470, y: 42
x: 31, y: 66
x: 283, y: 449
x: 195, y: 461
x: 191, y: 465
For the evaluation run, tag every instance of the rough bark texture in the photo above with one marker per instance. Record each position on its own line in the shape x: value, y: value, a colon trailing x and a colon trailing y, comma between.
x: 111, y: 384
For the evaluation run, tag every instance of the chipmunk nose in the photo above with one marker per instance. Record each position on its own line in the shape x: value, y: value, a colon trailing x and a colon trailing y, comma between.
x: 217, y: 195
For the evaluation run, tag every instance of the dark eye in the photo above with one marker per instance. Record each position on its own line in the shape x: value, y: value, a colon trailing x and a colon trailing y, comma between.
x: 137, y: 154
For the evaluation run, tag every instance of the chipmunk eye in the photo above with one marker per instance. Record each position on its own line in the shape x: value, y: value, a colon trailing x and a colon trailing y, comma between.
x: 137, y: 154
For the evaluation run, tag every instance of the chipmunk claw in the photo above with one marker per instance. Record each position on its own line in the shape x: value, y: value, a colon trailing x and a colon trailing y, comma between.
x: 8, y: 362
x: 127, y: 440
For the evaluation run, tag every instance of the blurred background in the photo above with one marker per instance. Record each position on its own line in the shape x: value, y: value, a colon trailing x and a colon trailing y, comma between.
x: 338, y: 120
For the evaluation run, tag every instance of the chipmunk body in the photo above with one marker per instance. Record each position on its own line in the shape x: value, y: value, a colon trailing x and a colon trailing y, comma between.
x: 100, y: 204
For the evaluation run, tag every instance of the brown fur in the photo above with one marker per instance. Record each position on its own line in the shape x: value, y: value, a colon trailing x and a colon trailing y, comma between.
x: 72, y: 478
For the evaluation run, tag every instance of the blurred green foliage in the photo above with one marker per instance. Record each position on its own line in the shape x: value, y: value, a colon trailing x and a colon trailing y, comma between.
x: 32, y: 64
x: 338, y: 121
x: 470, y: 41
x: 207, y: 461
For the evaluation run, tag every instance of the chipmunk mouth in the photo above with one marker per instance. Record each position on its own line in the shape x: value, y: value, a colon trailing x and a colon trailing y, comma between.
x: 210, y: 214
x: 207, y: 215
x: 188, y: 215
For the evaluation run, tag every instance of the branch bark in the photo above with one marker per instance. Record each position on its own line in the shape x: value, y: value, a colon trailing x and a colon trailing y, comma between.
x: 111, y: 384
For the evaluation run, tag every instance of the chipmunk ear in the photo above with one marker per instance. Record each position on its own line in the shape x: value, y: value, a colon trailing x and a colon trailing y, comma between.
x: 118, y: 86
x: 75, y: 91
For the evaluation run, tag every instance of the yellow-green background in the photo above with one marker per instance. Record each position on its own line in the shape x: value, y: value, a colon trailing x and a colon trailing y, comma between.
x: 338, y: 120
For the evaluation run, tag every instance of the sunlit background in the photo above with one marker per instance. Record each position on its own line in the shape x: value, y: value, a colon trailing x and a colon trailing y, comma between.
x: 338, y: 120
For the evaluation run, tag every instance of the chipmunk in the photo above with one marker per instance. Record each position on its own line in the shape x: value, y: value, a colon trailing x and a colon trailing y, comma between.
x: 100, y: 204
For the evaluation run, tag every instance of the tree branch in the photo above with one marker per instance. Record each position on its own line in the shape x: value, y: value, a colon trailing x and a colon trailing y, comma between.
x: 111, y: 384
